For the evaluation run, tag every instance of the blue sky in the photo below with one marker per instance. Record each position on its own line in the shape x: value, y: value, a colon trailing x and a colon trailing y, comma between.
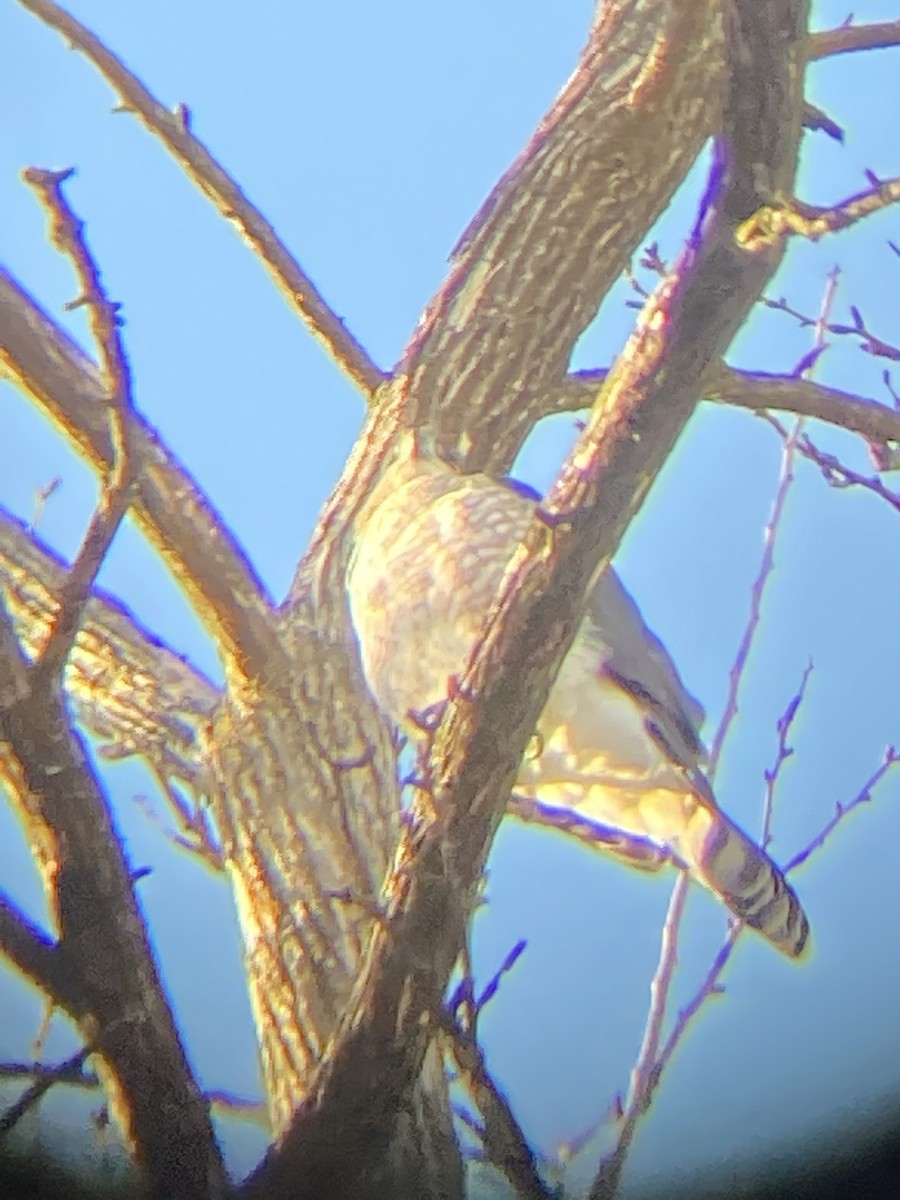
x: 369, y: 135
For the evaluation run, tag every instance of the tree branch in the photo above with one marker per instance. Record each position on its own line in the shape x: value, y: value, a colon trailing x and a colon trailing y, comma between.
x: 643, y: 407
x: 760, y: 391
x: 505, y: 1145
x: 560, y: 227
x: 125, y: 686
x: 190, y: 536
x: 848, y: 38
x: 67, y: 234
x: 116, y: 991
x: 32, y: 952
x: 174, y: 131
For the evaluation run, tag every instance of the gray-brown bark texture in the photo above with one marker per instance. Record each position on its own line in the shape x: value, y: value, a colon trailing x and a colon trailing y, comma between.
x: 351, y: 919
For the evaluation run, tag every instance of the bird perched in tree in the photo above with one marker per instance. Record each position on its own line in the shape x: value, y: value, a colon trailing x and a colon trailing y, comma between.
x: 618, y: 741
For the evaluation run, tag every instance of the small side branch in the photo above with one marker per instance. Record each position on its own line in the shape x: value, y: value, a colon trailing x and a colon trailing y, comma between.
x: 32, y: 952
x: 504, y: 1144
x: 848, y: 38
x: 174, y: 131
x: 775, y: 223
x: 33, y: 1094
x: 842, y: 811
x: 66, y: 233
x: 761, y: 391
x: 645, y: 1073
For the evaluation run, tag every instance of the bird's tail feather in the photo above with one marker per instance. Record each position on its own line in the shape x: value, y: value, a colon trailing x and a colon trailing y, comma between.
x: 725, y: 860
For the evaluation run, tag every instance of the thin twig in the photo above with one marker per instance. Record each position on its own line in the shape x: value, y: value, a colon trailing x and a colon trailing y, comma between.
x: 644, y: 1073
x: 649, y: 1066
x: 32, y: 1095
x: 505, y: 1145
x: 42, y: 495
x: 870, y: 343
x: 782, y: 754
x: 71, y: 1073
x: 67, y: 234
x: 195, y: 832
x: 837, y: 474
x: 757, y: 592
x: 490, y: 989
x: 710, y: 985
x: 174, y: 131
x: 842, y: 811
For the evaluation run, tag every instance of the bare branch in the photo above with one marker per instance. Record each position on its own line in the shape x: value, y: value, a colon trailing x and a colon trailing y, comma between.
x: 68, y: 1073
x: 710, y: 986
x: 817, y: 118
x: 870, y: 343
x: 782, y: 754
x: 32, y: 952
x: 33, y: 1095
x: 193, y: 831
x: 505, y: 1146
x: 128, y: 689
x: 644, y: 1073
x: 649, y: 1068
x: 757, y: 592
x: 600, y: 168
x: 760, y: 391
x: 190, y: 536
x: 115, y: 988
x: 835, y: 473
x: 174, y: 131
x: 644, y: 405
x: 67, y: 234
x: 779, y: 221
x: 72, y: 1073
x: 848, y: 38
x: 842, y: 811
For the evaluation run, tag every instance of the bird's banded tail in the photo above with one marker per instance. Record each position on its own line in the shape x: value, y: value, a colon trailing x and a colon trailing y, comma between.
x: 741, y: 874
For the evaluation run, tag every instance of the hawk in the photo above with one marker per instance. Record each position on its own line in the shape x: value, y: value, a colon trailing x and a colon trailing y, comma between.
x: 618, y: 742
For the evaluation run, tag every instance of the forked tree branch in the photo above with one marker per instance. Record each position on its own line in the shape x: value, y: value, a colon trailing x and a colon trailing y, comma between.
x: 189, y: 535
x: 128, y: 689
x: 67, y: 234
x: 101, y: 968
x: 174, y: 131
x: 643, y: 407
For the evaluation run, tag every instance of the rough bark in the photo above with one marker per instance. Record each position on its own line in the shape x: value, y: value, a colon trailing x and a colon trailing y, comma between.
x: 347, y: 971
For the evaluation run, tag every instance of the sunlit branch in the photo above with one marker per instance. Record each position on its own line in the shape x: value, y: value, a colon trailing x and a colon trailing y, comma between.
x: 174, y: 131
x: 848, y: 38
x: 67, y: 234
x: 761, y: 391
x: 191, y: 538
x: 133, y: 693
x: 779, y: 221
